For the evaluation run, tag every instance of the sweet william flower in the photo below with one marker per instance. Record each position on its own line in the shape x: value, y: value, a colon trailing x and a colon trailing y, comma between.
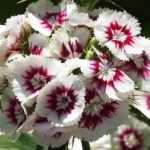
x: 100, y: 118
x: 43, y: 16
x: 31, y: 74
x: 107, y: 78
x: 69, y: 44
x: 61, y: 101
x: 118, y: 31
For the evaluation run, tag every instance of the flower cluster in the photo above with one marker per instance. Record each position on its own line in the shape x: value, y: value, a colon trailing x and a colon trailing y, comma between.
x: 67, y: 72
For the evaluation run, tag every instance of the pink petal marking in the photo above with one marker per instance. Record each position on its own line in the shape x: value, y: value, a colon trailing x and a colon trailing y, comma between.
x: 13, y: 110
x: 74, y: 48
x: 53, y: 18
x: 61, y: 100
x: 91, y: 120
x: 35, y: 49
x: 113, y: 32
x: 147, y: 96
x: 30, y: 75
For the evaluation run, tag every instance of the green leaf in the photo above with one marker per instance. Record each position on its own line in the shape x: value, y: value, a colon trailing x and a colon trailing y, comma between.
x: 25, y: 142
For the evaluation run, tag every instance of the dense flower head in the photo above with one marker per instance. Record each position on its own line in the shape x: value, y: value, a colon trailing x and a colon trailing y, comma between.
x: 67, y: 72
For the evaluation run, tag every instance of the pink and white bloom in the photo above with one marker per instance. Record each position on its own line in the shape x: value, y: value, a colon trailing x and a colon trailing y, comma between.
x: 108, y: 79
x: 43, y: 16
x: 61, y: 101
x: 38, y: 44
x: 67, y: 45
x: 100, y: 117
x: 31, y: 74
x: 118, y: 31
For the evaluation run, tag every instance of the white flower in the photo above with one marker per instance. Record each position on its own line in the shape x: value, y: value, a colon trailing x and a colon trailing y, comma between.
x: 118, y: 31
x: 43, y: 16
x: 38, y: 44
x: 67, y: 45
x: 31, y: 74
x: 100, y: 118
x: 61, y: 101
x: 108, y: 79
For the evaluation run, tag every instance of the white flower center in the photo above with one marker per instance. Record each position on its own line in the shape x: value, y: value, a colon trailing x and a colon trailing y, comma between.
x: 118, y: 35
x: 131, y: 140
x: 106, y: 73
x: 38, y: 81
